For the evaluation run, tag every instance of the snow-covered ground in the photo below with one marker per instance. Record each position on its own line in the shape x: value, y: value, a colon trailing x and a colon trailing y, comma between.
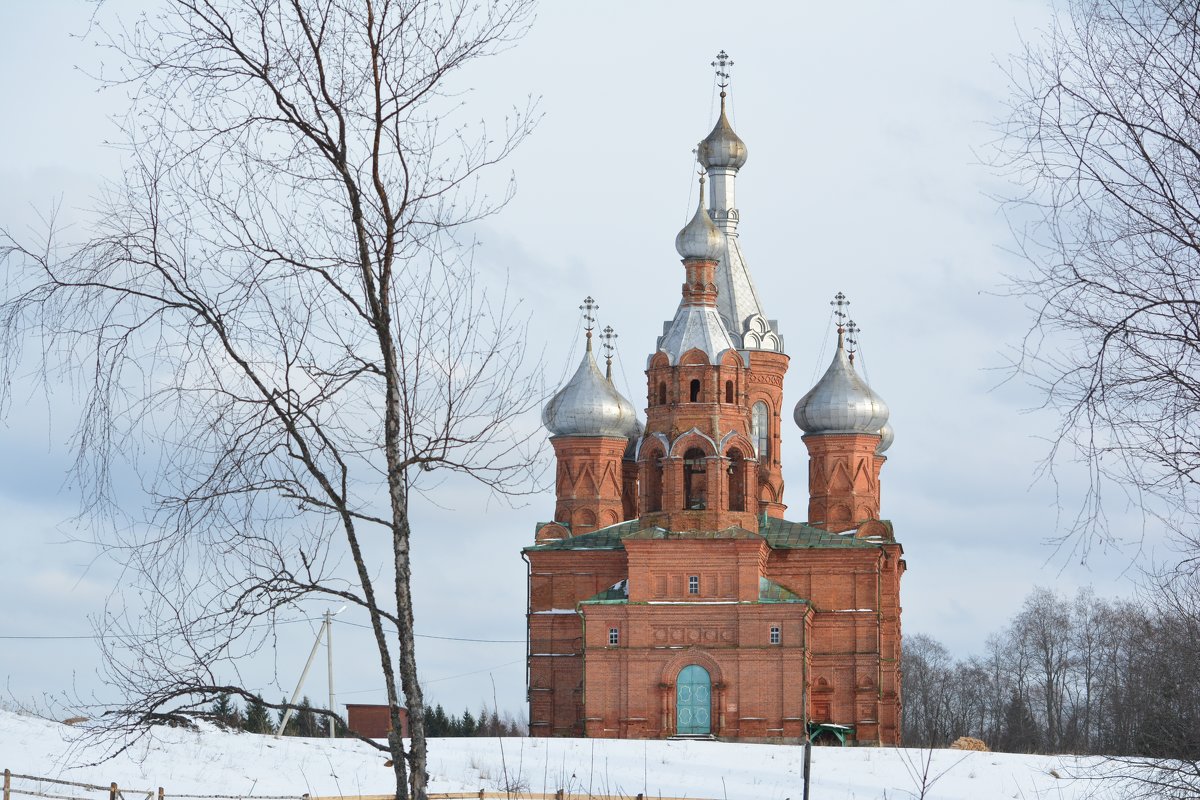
x: 219, y: 762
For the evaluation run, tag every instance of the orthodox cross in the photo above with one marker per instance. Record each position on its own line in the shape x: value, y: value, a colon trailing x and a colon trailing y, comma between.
x: 839, y: 303
x: 722, y: 65
x: 589, y: 319
x: 852, y: 331
x: 608, y: 335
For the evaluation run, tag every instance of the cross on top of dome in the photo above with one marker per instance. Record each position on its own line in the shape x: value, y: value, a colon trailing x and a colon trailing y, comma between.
x: 608, y: 335
x: 852, y: 331
x: 588, y: 308
x: 721, y: 64
x: 839, y: 303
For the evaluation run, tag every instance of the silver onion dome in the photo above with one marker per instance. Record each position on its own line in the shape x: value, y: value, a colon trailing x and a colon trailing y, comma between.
x: 700, y: 238
x: 886, y: 437
x: 722, y: 147
x: 841, y: 402
x: 589, y: 405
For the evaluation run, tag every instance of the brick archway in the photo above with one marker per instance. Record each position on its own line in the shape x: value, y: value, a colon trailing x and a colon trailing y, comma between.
x: 669, y: 676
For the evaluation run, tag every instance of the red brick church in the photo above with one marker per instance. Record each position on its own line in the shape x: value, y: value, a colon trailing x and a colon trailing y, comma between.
x: 670, y: 596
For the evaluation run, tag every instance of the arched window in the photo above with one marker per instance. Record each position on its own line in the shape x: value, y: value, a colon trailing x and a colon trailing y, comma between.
x: 662, y: 393
x: 761, y: 430
x: 695, y: 393
x: 729, y: 392
x: 654, y: 482
x: 737, y: 481
x: 695, y: 486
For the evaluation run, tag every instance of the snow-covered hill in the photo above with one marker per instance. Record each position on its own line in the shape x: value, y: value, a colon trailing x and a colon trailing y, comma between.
x: 227, y: 763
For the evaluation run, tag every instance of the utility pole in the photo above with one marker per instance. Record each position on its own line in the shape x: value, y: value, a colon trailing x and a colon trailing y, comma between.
x: 807, y: 761
x: 326, y: 630
x: 329, y: 654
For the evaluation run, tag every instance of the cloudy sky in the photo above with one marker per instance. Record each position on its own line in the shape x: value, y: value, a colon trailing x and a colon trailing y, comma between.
x: 869, y: 127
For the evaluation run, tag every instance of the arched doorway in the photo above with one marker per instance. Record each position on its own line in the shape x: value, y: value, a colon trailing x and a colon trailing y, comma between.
x: 693, y: 702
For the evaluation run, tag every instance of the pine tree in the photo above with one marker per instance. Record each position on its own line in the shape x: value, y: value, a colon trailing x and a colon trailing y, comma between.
x: 1020, y: 732
x: 468, y: 725
x: 225, y: 712
x: 258, y: 719
x: 441, y: 722
x: 291, y: 729
x: 306, y: 720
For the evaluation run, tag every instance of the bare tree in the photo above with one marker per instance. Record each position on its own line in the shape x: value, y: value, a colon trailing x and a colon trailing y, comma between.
x: 1043, y: 630
x: 1105, y: 136
x: 275, y: 322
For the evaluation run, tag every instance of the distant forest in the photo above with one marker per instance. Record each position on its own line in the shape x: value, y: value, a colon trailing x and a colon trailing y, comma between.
x: 257, y: 718
x: 1079, y: 675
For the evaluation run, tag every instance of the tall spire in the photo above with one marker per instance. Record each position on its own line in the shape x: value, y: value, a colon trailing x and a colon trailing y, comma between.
x: 722, y: 153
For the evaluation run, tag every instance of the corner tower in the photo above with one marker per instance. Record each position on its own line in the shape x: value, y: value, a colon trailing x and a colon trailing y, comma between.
x: 722, y: 154
x: 591, y: 425
x: 846, y: 431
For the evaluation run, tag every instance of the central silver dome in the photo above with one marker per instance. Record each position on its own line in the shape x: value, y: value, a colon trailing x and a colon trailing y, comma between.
x: 589, y: 405
x: 841, y: 402
x: 722, y: 147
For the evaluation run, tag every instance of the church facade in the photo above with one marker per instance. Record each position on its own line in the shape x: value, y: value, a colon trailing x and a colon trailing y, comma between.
x: 670, y: 595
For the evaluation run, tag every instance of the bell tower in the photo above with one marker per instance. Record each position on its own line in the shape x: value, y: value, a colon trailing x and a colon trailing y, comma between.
x: 697, y: 460
x: 722, y: 154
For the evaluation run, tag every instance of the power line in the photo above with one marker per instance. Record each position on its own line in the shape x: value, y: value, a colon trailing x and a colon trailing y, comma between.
x: 104, y: 636
x: 444, y: 678
x: 443, y: 638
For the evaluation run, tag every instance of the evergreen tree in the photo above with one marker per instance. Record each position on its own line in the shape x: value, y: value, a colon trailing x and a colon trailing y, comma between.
x: 1020, y: 732
x: 306, y: 720
x: 436, y: 722
x: 291, y: 729
x: 442, y: 721
x: 258, y: 719
x: 225, y: 712
x: 468, y: 726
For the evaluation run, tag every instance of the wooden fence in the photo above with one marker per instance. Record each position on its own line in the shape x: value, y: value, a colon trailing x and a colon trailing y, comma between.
x: 116, y: 792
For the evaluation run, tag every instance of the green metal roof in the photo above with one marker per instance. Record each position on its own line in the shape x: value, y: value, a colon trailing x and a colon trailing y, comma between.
x: 604, y: 539
x: 771, y: 592
x: 779, y: 533
x: 660, y: 533
x: 782, y: 534
x: 617, y: 593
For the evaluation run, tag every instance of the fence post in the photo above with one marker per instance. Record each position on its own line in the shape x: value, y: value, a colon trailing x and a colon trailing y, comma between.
x: 161, y: 794
x: 481, y: 794
x: 7, y: 784
x: 112, y: 791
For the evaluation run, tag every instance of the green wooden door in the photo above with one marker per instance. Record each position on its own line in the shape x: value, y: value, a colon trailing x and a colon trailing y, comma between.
x: 693, y: 701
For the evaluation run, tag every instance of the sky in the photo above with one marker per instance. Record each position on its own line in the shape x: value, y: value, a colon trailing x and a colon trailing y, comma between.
x: 870, y: 129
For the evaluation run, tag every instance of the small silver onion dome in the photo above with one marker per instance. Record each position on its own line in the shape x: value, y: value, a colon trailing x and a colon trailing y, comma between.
x: 841, y: 402
x: 589, y: 405
x: 700, y: 238
x: 886, y: 437
x: 722, y: 147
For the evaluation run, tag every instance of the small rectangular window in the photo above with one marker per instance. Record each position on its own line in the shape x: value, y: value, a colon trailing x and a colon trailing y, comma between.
x: 614, y: 636
x: 693, y: 584
x: 776, y: 637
